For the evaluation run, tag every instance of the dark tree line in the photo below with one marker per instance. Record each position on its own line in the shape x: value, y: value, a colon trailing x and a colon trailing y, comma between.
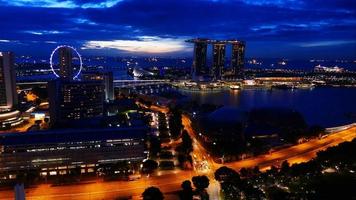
x: 175, y: 122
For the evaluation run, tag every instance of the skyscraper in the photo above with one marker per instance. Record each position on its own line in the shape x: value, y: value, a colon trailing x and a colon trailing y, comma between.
x: 218, y: 59
x: 107, y: 79
x: 199, y: 61
x: 237, y: 57
x: 73, y: 102
x: 65, y: 63
x: 8, y: 97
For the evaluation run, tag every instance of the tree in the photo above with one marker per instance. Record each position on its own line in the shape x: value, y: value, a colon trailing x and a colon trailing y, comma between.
x: 229, y: 181
x: 315, y: 130
x: 276, y: 193
x: 187, y: 143
x: 152, y: 193
x: 200, y: 182
x: 285, y: 166
x: 273, y: 170
x: 225, y: 174
x: 175, y: 122
x: 187, y: 191
x: 155, y: 145
x: 256, y: 170
x: 149, y: 166
x: 244, y: 172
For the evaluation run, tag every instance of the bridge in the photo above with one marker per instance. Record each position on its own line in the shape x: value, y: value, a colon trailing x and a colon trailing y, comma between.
x: 134, y: 83
x: 117, y: 83
x: 340, y: 128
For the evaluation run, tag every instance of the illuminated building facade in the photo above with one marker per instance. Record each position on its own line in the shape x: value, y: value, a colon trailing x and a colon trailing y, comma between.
x: 237, y: 57
x: 218, y: 60
x: 72, y: 102
x: 65, y: 63
x: 9, y: 116
x: 8, y: 97
x: 59, y: 152
x: 200, y: 69
x: 106, y: 78
x: 199, y: 61
x: 9, y: 119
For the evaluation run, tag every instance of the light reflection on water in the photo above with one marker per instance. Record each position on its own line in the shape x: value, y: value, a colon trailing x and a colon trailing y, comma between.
x: 324, y: 106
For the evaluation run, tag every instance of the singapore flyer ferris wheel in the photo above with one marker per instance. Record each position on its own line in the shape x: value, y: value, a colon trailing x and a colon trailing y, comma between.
x: 52, y: 65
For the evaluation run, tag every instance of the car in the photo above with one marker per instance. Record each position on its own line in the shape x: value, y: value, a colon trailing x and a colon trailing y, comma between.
x: 134, y: 177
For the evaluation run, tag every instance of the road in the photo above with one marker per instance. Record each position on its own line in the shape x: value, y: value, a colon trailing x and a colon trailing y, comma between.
x: 297, y: 153
x: 171, y: 182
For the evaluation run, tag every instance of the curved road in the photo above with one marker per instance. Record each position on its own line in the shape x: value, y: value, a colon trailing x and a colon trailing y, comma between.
x: 171, y: 182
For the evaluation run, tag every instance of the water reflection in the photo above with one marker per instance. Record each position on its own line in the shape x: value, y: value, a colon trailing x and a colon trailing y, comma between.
x: 324, y: 106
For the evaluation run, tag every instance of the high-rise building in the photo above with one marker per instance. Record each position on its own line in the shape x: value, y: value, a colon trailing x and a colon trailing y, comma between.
x: 65, y: 63
x: 8, y: 97
x: 218, y: 59
x: 106, y: 78
x: 199, y: 61
x: 72, y: 102
x: 200, y: 68
x: 237, y: 57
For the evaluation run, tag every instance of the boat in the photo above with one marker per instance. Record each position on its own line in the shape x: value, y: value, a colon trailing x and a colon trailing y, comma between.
x: 235, y: 87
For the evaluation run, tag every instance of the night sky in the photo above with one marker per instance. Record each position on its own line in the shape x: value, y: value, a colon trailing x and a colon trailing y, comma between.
x: 271, y: 28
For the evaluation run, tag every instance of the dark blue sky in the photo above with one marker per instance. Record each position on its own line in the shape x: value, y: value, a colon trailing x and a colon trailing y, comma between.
x: 271, y: 28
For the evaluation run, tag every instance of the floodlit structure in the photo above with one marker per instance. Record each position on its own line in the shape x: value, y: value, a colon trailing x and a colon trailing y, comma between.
x: 218, y: 60
x: 200, y: 67
x: 8, y: 97
x: 9, y: 116
x: 66, y: 69
x: 237, y: 57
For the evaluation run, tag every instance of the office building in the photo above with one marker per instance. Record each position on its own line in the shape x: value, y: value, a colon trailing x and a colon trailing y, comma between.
x: 9, y: 116
x: 8, y: 97
x: 75, y: 102
x: 65, y: 63
x: 218, y: 60
x: 106, y: 78
x: 59, y: 152
x: 237, y: 57
x: 199, y: 61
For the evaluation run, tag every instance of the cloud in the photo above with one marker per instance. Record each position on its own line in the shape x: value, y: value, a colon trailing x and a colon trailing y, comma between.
x: 104, y: 4
x: 71, y: 4
x: 279, y: 3
x: 326, y: 43
x: 44, y: 32
x: 108, y: 24
x: 144, y: 44
x: 84, y: 21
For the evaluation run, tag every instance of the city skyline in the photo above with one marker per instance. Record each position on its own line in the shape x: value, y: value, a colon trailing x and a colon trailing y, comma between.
x: 292, y: 29
x: 185, y: 99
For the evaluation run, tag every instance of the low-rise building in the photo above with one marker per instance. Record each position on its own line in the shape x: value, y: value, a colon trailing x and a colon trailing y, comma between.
x: 58, y: 152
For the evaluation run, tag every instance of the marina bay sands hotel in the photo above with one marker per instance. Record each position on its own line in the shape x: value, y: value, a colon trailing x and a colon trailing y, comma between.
x: 200, y: 67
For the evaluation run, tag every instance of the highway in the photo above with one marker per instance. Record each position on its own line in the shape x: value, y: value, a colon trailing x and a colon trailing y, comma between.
x: 170, y: 182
